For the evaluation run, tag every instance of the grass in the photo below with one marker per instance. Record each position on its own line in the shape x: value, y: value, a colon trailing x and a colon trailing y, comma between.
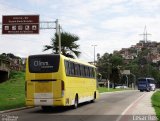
x: 156, y: 103
x: 104, y: 89
x: 12, y: 92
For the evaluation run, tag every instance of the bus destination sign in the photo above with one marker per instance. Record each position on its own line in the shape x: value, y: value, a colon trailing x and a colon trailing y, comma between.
x: 20, y: 24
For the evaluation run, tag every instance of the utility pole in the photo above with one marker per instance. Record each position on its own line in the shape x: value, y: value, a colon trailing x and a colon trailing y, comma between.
x: 58, y: 32
x: 59, y: 39
x: 57, y: 26
x: 94, y: 52
x: 109, y: 64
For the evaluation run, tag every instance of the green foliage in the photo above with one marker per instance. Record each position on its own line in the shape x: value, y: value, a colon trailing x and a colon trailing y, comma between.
x: 116, y: 60
x: 156, y: 103
x: 109, y: 67
x: 68, y: 44
x: 12, y: 92
x: 8, y: 55
x: 104, y: 67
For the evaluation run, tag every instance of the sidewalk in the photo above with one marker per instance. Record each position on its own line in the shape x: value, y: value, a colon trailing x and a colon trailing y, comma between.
x: 140, y: 110
x: 144, y: 106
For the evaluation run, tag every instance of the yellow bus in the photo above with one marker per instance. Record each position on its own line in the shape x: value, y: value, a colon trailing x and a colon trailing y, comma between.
x: 56, y: 80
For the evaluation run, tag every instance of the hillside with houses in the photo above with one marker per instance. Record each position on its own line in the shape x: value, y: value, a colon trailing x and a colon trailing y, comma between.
x: 141, y: 59
x: 149, y: 52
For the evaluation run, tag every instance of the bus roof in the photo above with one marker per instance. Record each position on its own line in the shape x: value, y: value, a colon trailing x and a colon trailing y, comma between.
x: 146, y: 78
x: 77, y: 61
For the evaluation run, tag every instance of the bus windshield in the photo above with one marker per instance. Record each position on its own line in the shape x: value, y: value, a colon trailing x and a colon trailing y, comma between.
x: 44, y: 63
x: 151, y: 81
x: 142, y: 81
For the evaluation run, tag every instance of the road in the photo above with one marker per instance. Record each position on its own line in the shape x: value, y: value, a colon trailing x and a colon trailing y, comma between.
x: 109, y: 107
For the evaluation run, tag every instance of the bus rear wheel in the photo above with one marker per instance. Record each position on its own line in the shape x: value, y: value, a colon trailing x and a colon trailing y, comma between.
x: 94, y: 98
x: 75, y: 102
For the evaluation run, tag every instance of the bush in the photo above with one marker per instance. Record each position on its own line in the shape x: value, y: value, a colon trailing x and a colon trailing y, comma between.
x: 156, y: 103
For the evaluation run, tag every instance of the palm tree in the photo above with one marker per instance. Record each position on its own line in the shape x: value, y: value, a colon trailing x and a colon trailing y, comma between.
x: 69, y: 47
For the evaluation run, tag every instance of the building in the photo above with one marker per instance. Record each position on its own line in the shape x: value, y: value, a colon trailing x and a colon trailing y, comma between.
x: 4, y: 69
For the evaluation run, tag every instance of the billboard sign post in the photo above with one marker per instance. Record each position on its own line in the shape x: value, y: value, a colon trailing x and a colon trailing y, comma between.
x: 20, y: 24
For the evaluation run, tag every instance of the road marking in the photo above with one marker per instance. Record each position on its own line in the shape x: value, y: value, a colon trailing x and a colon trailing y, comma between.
x: 129, y: 107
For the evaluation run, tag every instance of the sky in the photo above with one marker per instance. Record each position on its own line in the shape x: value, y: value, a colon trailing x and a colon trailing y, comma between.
x: 109, y: 24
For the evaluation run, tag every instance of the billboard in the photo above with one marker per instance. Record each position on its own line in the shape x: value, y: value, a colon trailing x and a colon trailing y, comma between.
x: 20, y: 24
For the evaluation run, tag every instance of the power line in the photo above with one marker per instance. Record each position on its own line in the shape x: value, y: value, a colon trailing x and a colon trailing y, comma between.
x: 87, y: 55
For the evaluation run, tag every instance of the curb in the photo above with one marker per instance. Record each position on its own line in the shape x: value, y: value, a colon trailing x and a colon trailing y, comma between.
x: 16, y: 109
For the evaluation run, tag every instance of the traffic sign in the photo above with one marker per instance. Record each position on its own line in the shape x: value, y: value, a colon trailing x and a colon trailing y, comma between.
x: 125, y: 72
x: 20, y: 24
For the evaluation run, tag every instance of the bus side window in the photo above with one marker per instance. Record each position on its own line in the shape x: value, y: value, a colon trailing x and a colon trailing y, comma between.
x: 82, y: 70
x: 93, y: 72
x: 75, y: 69
x: 86, y: 71
x: 90, y: 72
x: 86, y: 68
x: 72, y: 69
x: 69, y: 68
x: 66, y: 67
x: 89, y: 75
x: 78, y: 69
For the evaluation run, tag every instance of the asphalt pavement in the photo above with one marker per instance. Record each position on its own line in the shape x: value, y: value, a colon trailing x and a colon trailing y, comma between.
x: 116, y: 106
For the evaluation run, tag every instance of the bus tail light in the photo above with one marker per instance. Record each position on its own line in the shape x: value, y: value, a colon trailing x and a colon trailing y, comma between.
x: 62, y: 87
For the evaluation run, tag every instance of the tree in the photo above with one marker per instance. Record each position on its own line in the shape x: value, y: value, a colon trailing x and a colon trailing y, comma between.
x: 116, y: 61
x: 69, y: 47
x: 115, y: 76
x: 108, y: 66
x: 103, y: 65
x: 8, y: 55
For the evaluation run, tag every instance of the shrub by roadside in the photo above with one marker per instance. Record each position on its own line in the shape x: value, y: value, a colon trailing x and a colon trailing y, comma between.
x: 156, y: 103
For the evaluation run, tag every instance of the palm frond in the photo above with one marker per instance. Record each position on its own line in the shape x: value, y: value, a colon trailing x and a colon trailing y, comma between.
x: 47, y: 47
